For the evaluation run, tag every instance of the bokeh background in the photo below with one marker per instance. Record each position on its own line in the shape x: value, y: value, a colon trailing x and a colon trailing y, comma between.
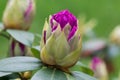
x: 106, y: 12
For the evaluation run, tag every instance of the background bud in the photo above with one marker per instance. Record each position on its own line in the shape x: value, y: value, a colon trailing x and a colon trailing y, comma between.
x: 115, y: 35
x: 99, y: 68
x: 19, y: 14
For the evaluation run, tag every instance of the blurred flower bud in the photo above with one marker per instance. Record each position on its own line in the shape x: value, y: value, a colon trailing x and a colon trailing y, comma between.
x: 18, y: 79
x: 86, y: 28
x: 27, y: 75
x: 99, y: 68
x: 115, y: 35
x: 19, y: 14
x: 61, y: 40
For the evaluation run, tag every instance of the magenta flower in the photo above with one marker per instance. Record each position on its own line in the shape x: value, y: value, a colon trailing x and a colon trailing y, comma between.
x: 95, y: 62
x: 61, y: 42
x: 63, y: 18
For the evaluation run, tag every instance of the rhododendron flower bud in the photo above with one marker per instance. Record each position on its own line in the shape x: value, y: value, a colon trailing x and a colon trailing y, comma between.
x: 61, y: 41
x: 99, y: 68
x: 115, y: 35
x: 19, y: 14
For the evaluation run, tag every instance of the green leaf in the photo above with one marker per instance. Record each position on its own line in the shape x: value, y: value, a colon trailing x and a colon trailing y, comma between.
x: 49, y: 74
x: 19, y: 64
x: 24, y: 37
x: 70, y: 77
x: 4, y: 78
x: 4, y: 73
x: 82, y: 76
x: 1, y: 26
x: 81, y: 67
x: 36, y: 51
x: 37, y: 38
x: 36, y: 48
x: 12, y: 76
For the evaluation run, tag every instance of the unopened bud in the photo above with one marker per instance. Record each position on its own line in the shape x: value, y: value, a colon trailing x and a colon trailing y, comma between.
x: 19, y: 14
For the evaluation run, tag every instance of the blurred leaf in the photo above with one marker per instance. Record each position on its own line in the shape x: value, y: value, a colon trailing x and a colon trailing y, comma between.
x: 82, y: 76
x: 37, y: 39
x: 12, y: 76
x: 24, y: 37
x: 37, y: 48
x: 4, y: 73
x: 36, y: 51
x: 49, y: 74
x: 19, y: 64
x: 82, y: 68
x: 1, y: 26
x: 4, y: 78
